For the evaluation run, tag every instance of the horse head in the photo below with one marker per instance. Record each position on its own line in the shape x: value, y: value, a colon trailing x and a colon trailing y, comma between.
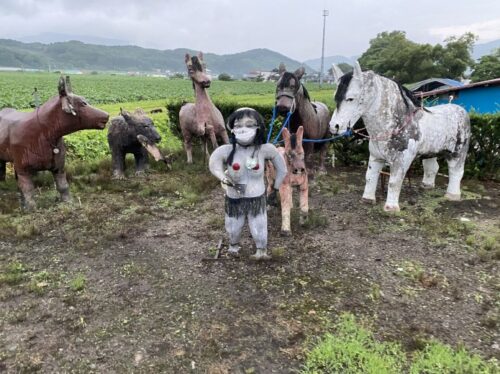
x: 196, y: 70
x: 77, y: 113
x: 294, y: 153
x: 287, y: 88
x: 349, y: 99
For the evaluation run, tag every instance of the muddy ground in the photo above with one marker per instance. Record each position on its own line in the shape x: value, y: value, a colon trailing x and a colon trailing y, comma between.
x: 117, y: 281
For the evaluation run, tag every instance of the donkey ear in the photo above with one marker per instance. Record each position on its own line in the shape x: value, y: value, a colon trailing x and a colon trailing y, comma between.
x: 61, y: 87
x: 357, y: 73
x: 281, y: 68
x: 187, y: 58
x: 200, y: 55
x: 300, y: 134
x: 299, y: 72
x: 286, y: 138
x: 124, y: 114
x: 337, y: 73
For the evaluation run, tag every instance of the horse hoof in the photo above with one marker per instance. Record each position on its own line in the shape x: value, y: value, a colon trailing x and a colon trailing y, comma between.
x: 140, y: 174
x: 452, y: 196
x: 391, y: 208
x: 368, y: 201
x: 427, y: 186
x: 118, y: 177
x: 286, y: 233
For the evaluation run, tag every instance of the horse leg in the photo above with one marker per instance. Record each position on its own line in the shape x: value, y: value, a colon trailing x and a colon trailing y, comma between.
x: 431, y: 168
x: 118, y: 163
x: 455, y: 174
x: 234, y: 225
x: 399, y: 167
x: 286, y: 207
x: 25, y: 184
x: 322, y: 157
x: 304, y: 201
x: 372, y: 175
x: 141, y: 161
x: 2, y: 170
x: 309, y: 153
x: 62, y: 185
x: 258, y: 229
x: 188, y: 146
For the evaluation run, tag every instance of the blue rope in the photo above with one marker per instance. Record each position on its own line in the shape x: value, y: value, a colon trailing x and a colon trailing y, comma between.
x: 345, y: 134
x: 285, y: 124
x: 271, y: 125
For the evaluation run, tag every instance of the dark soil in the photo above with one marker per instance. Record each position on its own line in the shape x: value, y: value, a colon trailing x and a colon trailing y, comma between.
x: 151, y: 302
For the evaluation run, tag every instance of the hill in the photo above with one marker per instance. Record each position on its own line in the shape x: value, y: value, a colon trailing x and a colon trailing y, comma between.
x: 329, y: 60
x: 82, y: 56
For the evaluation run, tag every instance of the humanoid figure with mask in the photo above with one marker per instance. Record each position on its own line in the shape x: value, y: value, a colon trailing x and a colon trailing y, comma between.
x: 240, y: 168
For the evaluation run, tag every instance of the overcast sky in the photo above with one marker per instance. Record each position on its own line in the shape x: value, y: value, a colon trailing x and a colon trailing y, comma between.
x: 291, y: 27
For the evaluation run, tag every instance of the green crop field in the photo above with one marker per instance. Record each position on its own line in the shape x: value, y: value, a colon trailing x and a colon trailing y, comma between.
x: 16, y: 88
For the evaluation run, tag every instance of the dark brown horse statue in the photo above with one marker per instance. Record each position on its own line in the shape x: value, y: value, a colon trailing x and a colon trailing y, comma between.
x: 201, y: 118
x: 34, y: 141
x: 292, y: 96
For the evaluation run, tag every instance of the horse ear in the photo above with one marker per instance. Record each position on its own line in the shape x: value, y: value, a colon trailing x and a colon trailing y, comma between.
x: 337, y: 73
x: 357, y: 73
x: 286, y: 138
x: 281, y: 68
x: 61, y: 87
x: 68, y: 85
x: 200, y: 55
x: 187, y: 58
x: 300, y: 135
x: 299, y: 72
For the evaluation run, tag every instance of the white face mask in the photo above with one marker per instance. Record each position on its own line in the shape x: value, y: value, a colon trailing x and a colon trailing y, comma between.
x: 245, y: 135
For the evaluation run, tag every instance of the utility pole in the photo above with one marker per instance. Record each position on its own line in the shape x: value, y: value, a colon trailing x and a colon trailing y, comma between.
x: 325, y: 14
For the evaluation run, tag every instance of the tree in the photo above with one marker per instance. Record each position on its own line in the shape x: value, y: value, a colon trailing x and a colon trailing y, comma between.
x: 393, y: 55
x: 225, y: 77
x: 487, y: 68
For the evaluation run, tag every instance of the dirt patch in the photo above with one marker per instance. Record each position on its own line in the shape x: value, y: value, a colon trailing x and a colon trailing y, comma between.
x: 139, y: 297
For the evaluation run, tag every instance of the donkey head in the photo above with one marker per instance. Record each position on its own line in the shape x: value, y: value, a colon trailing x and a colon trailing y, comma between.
x: 349, y: 99
x: 140, y: 124
x: 78, y: 113
x: 196, y: 70
x: 294, y: 153
x: 287, y: 88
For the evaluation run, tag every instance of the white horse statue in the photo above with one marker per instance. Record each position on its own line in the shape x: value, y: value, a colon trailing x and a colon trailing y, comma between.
x: 399, y: 130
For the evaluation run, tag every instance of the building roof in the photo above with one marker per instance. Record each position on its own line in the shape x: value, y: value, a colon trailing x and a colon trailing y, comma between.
x: 434, y: 83
x: 441, y: 91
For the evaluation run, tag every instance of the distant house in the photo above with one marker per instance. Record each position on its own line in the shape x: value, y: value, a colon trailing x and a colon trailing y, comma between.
x: 482, y: 97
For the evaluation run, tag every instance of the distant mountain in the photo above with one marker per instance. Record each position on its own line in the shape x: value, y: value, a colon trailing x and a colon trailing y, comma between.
x: 81, y: 56
x: 53, y: 37
x: 485, y: 49
x: 316, y: 63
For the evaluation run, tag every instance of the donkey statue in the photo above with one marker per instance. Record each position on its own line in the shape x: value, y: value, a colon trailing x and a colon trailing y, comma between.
x: 399, y: 130
x: 292, y: 96
x: 34, y: 141
x: 201, y: 118
x: 296, y: 176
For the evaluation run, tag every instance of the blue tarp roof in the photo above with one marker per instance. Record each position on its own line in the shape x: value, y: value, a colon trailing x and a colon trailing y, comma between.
x: 433, y: 84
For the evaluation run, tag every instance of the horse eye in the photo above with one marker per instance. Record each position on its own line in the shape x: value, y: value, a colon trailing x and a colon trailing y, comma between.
x: 350, y: 99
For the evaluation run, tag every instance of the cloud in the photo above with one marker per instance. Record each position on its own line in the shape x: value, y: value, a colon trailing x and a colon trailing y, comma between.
x: 486, y: 30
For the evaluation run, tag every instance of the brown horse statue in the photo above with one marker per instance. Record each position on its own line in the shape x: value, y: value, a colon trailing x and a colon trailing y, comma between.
x: 296, y: 176
x: 292, y: 96
x: 34, y: 141
x: 201, y: 118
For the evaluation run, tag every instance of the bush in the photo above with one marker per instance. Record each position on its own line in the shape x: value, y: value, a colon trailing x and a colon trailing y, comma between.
x: 225, y: 77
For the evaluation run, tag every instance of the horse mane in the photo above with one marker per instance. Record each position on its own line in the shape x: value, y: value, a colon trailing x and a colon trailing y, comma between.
x: 406, y: 94
x: 306, y: 93
x: 196, y: 64
x: 342, y: 88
